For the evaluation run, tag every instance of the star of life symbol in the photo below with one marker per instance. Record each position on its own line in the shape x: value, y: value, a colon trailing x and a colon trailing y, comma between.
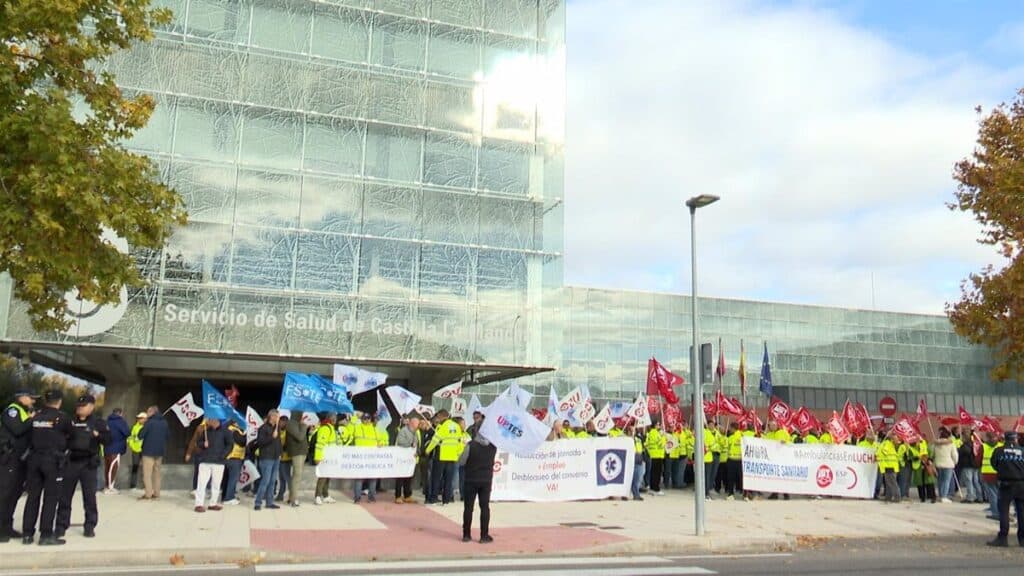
x: 610, y: 466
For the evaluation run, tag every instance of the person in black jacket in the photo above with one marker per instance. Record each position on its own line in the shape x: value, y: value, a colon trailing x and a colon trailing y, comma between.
x: 211, y: 451
x: 268, y: 445
x: 479, y: 475
x: 154, y: 445
x: 15, y: 429
x: 51, y: 429
x: 88, y: 433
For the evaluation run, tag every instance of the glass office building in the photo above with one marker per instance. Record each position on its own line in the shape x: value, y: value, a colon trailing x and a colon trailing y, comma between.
x: 379, y: 182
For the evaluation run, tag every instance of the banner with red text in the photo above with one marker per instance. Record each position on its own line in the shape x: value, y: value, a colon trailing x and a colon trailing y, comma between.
x: 563, y: 470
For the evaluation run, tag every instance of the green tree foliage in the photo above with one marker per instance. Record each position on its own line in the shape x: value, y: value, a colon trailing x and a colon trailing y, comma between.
x: 991, y: 187
x: 64, y: 179
x: 14, y: 377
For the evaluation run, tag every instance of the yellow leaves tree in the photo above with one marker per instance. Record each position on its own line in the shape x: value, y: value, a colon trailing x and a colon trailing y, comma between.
x: 64, y: 180
x: 991, y: 187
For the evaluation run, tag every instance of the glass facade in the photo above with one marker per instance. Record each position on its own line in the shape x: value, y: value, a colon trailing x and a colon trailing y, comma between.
x: 819, y: 356
x: 365, y: 179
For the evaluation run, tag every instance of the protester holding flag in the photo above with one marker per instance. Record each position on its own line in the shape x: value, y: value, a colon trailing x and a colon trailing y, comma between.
x: 638, y: 461
x: 923, y: 471
x: 478, y: 462
x: 268, y: 445
x: 154, y: 446
x: 297, y: 445
x: 968, y: 465
x: 946, y: 457
x: 655, y: 446
x: 888, y: 460
x: 212, y: 449
x: 233, y: 463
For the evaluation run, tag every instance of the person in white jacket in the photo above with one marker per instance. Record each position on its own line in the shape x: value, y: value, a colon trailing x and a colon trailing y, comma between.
x: 946, y: 457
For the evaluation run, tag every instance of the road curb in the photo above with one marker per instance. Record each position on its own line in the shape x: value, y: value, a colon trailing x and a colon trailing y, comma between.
x: 143, y: 558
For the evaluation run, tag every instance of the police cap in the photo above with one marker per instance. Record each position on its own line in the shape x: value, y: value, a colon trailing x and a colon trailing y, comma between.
x: 86, y: 399
x: 1010, y: 435
x: 29, y: 393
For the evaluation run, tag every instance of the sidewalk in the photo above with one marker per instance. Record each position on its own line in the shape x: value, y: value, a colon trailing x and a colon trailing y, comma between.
x: 136, y: 533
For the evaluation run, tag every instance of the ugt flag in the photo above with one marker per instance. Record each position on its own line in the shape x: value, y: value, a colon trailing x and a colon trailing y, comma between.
x: 660, y: 381
x: 253, y: 421
x: 403, y: 400
x: 766, y: 374
x: 301, y: 392
x: 511, y: 428
x: 335, y: 399
x: 216, y: 405
x: 450, y: 391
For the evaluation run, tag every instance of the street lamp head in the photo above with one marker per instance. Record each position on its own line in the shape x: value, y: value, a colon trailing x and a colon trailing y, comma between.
x: 701, y: 201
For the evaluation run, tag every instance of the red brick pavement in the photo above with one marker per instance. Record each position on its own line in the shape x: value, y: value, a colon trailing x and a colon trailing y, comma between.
x: 414, y: 531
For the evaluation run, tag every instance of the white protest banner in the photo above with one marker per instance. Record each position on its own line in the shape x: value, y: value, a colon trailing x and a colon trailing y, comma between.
x: 604, y: 422
x: 563, y: 470
x: 253, y: 423
x: 638, y: 412
x: 570, y: 401
x: 425, y: 411
x: 356, y: 463
x: 186, y: 410
x: 814, y: 469
x: 250, y: 473
x: 458, y: 407
x: 450, y: 391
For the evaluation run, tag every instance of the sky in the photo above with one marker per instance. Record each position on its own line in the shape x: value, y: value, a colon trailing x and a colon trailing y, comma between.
x: 829, y: 129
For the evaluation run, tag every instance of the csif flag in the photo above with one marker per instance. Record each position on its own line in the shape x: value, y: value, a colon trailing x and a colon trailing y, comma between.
x: 403, y: 400
x: 766, y: 386
x: 511, y: 428
x: 603, y: 422
x: 450, y: 391
x: 186, y: 410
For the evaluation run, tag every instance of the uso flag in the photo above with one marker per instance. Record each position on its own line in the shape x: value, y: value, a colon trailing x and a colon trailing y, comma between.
x: 301, y: 392
x: 512, y: 429
x: 216, y: 405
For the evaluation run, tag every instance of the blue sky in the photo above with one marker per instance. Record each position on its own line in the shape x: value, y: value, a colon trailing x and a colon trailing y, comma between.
x: 829, y: 129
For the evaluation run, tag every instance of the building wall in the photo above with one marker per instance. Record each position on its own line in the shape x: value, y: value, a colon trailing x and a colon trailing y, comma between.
x: 366, y: 179
x: 820, y: 356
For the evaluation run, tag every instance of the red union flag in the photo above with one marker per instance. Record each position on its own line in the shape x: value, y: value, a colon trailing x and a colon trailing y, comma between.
x: 660, y: 381
x: 803, y: 420
x: 992, y: 424
x: 840, y: 434
x: 751, y: 420
x: 728, y: 406
x: 853, y: 420
x: 653, y: 405
x: 905, y: 429
x: 673, y: 416
x: 710, y: 409
x: 922, y: 410
x: 780, y: 412
x: 965, y: 417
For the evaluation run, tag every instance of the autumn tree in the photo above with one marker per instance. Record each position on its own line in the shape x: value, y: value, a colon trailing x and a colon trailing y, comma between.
x: 991, y: 187
x: 65, y: 178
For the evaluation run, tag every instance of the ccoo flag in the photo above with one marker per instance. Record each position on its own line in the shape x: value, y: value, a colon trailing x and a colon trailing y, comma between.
x: 766, y: 374
x: 512, y: 428
x: 216, y: 405
x: 301, y: 392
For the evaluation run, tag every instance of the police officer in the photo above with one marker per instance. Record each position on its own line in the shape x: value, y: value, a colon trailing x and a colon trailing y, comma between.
x: 48, y: 444
x: 87, y: 435
x: 15, y: 426
x: 1008, y: 460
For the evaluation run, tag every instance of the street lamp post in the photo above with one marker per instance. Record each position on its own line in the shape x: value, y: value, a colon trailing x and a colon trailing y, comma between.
x: 695, y: 376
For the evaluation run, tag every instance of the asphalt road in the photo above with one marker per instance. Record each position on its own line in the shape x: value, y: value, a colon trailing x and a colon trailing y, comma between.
x: 934, y: 558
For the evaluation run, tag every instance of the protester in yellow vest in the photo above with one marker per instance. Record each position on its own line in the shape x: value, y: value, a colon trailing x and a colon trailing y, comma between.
x: 638, y: 462
x: 734, y: 465
x: 810, y: 438
x: 365, y: 435
x: 922, y: 471
x: 989, y: 478
x: 888, y: 459
x: 325, y: 436
x: 447, y: 441
x: 778, y: 434
x: 655, y: 445
x: 135, y: 446
x: 235, y: 462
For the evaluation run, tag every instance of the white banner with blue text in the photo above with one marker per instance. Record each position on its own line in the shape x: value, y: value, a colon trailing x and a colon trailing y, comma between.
x: 813, y: 469
x: 362, y: 463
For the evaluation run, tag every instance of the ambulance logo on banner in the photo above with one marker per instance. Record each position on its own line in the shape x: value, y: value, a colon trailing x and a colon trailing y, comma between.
x: 611, y: 467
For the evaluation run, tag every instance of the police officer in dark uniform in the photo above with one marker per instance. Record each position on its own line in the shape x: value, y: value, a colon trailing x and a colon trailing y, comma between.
x: 15, y: 426
x: 88, y: 434
x: 47, y: 458
x: 1008, y: 460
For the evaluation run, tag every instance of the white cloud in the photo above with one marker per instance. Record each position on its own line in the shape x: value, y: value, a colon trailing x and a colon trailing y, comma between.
x: 831, y: 148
